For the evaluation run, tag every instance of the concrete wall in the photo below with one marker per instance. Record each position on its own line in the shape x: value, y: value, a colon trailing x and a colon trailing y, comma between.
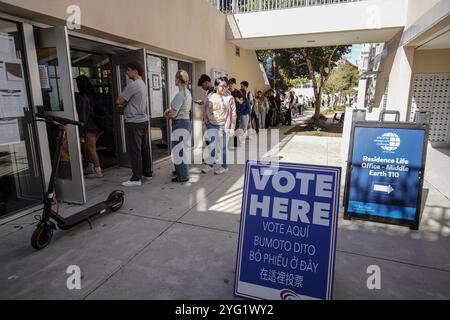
x: 400, y: 59
x: 386, y: 64
x: 417, y: 8
x: 425, y: 18
x: 363, y: 15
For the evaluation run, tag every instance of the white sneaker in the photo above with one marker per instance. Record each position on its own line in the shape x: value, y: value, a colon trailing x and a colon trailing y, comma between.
x: 222, y: 170
x: 94, y: 175
x: 147, y: 178
x: 90, y: 169
x: 132, y: 183
x: 207, y: 169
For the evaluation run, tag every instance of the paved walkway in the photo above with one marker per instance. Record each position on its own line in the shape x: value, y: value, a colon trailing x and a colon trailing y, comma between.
x: 173, y: 241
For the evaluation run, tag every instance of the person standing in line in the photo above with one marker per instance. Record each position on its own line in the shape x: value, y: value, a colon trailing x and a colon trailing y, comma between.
x: 261, y: 108
x: 205, y: 83
x: 179, y: 111
x: 290, y: 101
x: 220, y: 112
x: 245, y: 118
x: 134, y: 101
x: 266, y: 108
x: 302, y: 101
x: 90, y: 132
x: 238, y: 100
x: 273, y: 112
x: 266, y: 98
x: 278, y: 104
x: 254, y: 122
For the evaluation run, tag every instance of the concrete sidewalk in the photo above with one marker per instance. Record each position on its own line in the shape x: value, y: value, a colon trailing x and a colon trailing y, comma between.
x: 173, y: 241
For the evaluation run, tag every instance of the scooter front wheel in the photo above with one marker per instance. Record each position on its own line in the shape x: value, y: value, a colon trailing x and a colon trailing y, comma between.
x: 117, y: 203
x: 41, y: 237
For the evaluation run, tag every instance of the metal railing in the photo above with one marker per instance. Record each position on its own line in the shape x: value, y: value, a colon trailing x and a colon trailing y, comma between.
x: 246, y: 6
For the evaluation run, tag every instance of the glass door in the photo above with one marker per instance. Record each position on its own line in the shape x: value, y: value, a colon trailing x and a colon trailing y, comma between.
x: 157, y: 71
x: 120, y: 81
x: 53, y: 54
x: 20, y: 173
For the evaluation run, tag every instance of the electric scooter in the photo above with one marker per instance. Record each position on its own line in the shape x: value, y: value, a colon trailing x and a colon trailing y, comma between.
x: 44, y: 231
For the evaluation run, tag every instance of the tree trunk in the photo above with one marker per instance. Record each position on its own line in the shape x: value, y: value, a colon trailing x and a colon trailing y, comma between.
x: 318, y: 106
x: 317, y: 94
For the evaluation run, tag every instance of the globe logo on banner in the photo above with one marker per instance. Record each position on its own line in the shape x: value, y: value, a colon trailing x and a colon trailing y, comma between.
x: 388, y: 142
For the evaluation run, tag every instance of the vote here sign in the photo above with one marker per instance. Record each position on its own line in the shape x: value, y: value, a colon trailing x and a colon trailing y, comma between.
x: 287, y: 236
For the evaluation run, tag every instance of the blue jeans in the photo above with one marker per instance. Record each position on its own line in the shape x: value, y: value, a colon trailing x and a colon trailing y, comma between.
x: 182, y: 170
x: 213, y: 135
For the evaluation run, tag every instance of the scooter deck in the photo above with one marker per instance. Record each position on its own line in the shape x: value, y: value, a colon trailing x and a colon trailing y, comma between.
x: 86, y: 214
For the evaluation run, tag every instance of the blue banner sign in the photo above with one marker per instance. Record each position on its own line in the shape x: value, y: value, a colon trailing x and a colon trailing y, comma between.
x: 385, y: 180
x: 287, y: 237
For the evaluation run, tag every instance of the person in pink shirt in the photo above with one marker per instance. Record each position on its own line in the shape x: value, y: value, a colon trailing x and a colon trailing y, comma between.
x: 220, y: 118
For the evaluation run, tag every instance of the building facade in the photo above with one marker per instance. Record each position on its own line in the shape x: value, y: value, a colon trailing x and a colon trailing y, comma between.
x: 46, y: 44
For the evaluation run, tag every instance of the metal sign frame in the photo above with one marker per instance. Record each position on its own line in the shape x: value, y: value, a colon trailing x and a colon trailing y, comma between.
x: 413, y: 225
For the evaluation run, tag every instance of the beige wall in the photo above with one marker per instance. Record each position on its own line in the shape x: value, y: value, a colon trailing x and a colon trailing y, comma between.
x: 188, y: 29
x: 432, y: 61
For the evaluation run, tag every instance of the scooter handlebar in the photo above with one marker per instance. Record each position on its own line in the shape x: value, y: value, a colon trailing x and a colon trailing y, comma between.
x: 59, y: 120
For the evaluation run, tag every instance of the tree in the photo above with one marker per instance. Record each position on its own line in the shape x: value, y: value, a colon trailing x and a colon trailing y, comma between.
x: 343, y: 79
x: 299, y: 81
x: 315, y: 63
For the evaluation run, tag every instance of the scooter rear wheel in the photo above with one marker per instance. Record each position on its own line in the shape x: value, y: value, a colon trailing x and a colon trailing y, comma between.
x: 41, y: 237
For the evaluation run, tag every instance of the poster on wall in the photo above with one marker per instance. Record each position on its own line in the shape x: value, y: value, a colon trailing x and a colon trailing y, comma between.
x: 155, y: 69
x: 156, y: 81
x: 13, y: 97
x: 157, y: 101
x: 9, y: 132
x: 7, y: 45
x: 173, y: 69
x: 44, y: 77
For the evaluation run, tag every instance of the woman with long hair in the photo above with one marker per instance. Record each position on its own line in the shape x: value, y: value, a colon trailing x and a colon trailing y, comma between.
x: 179, y: 113
x: 261, y: 109
x: 220, y: 117
x: 90, y: 132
